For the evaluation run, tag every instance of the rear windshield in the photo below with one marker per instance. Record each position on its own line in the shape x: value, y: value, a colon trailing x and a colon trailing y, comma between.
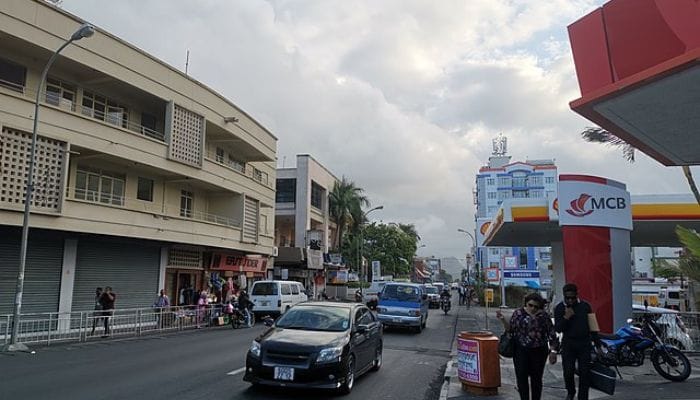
x: 431, y: 289
x: 264, y: 289
x: 400, y: 293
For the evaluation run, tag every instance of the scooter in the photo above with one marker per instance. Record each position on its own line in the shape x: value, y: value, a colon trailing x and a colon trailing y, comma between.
x: 445, y: 304
x: 238, y: 317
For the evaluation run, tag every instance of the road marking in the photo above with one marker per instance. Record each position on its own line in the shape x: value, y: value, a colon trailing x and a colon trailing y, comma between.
x: 236, y: 371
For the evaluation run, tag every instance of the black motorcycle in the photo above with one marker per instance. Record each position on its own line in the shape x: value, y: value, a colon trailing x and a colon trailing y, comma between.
x: 238, y: 317
x: 630, y: 344
x: 445, y: 304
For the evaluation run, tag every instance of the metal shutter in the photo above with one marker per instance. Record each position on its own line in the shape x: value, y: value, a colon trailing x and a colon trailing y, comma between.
x: 130, y: 268
x: 42, y: 274
x: 250, y: 220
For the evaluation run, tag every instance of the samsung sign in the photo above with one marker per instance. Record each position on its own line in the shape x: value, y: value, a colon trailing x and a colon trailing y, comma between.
x: 589, y: 201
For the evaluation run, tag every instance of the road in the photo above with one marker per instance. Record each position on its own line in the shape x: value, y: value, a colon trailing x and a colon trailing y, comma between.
x: 209, y: 364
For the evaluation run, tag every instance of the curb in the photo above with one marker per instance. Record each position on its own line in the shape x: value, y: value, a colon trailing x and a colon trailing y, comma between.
x: 445, y: 390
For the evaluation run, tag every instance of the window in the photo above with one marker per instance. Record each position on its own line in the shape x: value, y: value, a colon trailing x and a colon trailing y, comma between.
x: 504, y: 181
x: 219, y: 155
x: 317, y: 195
x: 492, y: 209
x: 535, y: 180
x: 494, y: 251
x: 504, y: 194
x: 260, y: 176
x: 286, y: 289
x: 536, y: 194
x: 264, y: 289
x: 490, y: 181
x: 148, y: 125
x: 295, y: 289
x: 491, y: 195
x: 97, y: 185
x: 366, y: 318
x: 60, y: 94
x: 548, y: 179
x: 523, y: 257
x: 519, y: 181
x: 235, y: 164
x: 145, y: 189
x: 519, y: 194
x: 99, y: 107
x: 12, y: 76
x: 186, y: 200
x: 286, y: 191
x: 494, y: 264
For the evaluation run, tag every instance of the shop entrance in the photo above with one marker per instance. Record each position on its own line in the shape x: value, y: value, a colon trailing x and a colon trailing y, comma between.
x: 181, y: 286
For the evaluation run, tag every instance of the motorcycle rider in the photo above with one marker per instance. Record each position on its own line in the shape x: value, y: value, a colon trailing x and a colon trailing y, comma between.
x: 244, y: 304
x: 445, y: 295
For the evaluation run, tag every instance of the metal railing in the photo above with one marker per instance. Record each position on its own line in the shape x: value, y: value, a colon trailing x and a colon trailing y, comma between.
x: 240, y: 167
x: 681, y: 329
x: 85, y: 326
x: 114, y: 119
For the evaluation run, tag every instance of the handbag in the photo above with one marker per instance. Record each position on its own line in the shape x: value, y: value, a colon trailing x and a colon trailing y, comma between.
x: 602, y: 378
x: 506, y: 345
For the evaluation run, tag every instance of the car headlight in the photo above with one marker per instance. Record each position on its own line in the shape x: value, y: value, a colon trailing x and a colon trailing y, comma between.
x: 329, y: 355
x: 414, y: 313
x: 255, y: 348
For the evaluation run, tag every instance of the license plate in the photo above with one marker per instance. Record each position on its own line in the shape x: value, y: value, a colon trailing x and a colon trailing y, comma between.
x: 284, y: 373
x: 264, y: 303
x: 397, y: 320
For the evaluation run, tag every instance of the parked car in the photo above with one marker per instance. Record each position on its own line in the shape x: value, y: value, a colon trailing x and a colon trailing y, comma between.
x: 403, y: 305
x: 276, y: 297
x: 433, y: 296
x: 371, y: 294
x: 673, y: 329
x: 323, y: 345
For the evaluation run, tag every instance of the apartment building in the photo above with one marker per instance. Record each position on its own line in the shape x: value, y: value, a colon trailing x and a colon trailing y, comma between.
x: 144, y: 177
x: 304, y: 232
x: 498, y: 181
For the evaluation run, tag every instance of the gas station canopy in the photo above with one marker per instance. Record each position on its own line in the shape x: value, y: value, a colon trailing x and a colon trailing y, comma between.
x: 535, y: 222
x: 638, y: 68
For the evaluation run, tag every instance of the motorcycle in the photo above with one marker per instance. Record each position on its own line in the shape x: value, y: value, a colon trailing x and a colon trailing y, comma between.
x: 445, y: 304
x: 629, y: 345
x: 238, y: 317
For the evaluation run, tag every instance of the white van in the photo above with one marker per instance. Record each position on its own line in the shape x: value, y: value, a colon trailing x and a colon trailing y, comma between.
x: 276, y: 297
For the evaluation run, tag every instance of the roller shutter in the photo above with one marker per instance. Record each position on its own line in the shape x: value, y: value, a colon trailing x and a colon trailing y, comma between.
x: 130, y: 268
x: 42, y: 275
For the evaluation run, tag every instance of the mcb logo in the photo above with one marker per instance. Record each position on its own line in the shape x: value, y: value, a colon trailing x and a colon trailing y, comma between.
x: 578, y: 206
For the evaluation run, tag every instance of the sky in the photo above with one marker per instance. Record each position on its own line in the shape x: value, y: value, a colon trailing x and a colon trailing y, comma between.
x: 402, y: 97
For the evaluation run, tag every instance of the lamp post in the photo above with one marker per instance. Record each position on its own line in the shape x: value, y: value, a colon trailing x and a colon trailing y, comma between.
x: 471, y: 250
x: 361, y: 244
x: 84, y: 31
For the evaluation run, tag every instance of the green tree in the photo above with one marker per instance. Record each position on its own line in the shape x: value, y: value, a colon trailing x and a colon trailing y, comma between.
x: 391, y: 246
x: 345, y: 207
x: 600, y: 135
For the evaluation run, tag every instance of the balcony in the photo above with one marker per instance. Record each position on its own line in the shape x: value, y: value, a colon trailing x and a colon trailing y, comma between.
x: 239, y: 167
x: 112, y: 117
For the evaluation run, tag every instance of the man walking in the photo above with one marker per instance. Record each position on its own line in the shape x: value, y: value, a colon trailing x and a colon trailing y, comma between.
x: 571, y: 319
x: 107, y: 300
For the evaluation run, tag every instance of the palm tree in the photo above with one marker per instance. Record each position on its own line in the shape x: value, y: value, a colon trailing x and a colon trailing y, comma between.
x: 410, y: 230
x: 345, y: 201
x: 600, y: 135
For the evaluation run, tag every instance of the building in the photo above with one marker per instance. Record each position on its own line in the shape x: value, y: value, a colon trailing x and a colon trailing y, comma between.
x: 304, y: 232
x: 144, y: 178
x: 501, y: 180
x: 644, y: 258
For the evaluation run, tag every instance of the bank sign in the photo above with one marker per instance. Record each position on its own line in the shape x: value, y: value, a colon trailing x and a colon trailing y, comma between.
x: 593, y: 201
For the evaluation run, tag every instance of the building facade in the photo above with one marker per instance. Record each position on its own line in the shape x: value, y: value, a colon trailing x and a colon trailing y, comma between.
x: 501, y: 180
x: 304, y: 232
x: 144, y: 178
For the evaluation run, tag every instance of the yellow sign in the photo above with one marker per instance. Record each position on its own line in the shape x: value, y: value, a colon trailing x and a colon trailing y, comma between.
x: 488, y: 293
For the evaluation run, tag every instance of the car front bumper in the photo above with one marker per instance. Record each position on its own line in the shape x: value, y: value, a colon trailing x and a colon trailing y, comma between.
x: 315, y: 376
x: 399, y: 320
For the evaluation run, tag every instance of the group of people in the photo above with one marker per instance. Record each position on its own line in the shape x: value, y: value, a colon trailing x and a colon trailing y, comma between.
x: 535, y: 339
x: 466, y: 295
x: 104, y: 309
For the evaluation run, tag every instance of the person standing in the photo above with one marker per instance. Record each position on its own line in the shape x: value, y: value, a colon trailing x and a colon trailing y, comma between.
x: 162, y: 302
x: 534, y: 338
x: 98, y: 309
x: 571, y: 319
x: 107, y: 300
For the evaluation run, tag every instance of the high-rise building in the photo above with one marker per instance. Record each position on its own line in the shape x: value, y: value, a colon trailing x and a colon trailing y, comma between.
x: 501, y: 180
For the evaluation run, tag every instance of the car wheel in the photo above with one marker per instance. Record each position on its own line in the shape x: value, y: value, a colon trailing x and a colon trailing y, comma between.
x: 425, y: 322
x: 419, y: 328
x: 377, y: 359
x: 349, y: 376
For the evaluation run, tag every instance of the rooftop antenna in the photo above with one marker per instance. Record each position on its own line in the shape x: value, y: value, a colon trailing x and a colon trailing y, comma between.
x: 187, y: 61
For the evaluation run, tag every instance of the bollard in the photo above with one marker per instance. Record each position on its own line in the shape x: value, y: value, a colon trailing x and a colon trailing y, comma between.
x: 479, y: 366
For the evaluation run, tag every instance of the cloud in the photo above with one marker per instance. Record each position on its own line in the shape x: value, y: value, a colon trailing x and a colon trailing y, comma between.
x: 401, y: 96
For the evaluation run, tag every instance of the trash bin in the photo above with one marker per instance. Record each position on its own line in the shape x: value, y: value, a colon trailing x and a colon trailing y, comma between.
x: 478, y: 365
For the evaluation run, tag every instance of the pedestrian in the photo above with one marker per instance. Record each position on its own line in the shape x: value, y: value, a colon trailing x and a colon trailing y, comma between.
x: 462, y: 294
x: 107, y: 299
x: 98, y: 310
x: 162, y: 302
x: 470, y: 296
x: 571, y: 319
x: 534, y: 339
x: 201, y: 307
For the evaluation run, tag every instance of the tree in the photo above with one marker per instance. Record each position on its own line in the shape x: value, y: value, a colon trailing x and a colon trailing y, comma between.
x: 600, y: 135
x: 345, y: 206
x: 391, y: 246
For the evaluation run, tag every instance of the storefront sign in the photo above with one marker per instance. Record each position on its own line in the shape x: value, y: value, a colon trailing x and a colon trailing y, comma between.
x: 593, y: 201
x: 510, y: 263
x: 338, y: 277
x: 376, y: 270
x: 492, y: 274
x: 468, y: 366
x: 224, y: 262
x: 314, y: 259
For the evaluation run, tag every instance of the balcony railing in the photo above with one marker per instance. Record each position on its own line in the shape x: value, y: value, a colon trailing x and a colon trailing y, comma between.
x: 241, y: 168
x: 52, y: 98
x: 130, y: 204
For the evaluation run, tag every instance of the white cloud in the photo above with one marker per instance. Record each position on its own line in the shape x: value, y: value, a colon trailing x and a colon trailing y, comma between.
x: 403, y: 97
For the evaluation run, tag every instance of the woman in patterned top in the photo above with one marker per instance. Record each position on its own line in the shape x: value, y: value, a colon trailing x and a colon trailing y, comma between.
x: 534, y: 338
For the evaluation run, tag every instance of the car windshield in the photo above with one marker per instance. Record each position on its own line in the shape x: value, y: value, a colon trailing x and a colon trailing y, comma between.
x: 400, y: 293
x: 315, y: 318
x: 264, y: 289
x: 431, y: 290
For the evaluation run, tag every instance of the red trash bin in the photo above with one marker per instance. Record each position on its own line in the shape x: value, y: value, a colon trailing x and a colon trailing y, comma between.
x: 478, y: 366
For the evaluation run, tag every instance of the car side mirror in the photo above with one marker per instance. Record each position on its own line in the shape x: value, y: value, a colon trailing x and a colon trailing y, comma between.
x: 360, y: 329
x: 424, y: 296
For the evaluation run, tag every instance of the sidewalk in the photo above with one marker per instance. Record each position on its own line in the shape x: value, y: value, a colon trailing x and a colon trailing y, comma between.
x: 638, y: 383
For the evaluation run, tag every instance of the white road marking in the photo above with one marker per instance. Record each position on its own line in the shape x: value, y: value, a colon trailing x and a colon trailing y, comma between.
x: 236, y: 371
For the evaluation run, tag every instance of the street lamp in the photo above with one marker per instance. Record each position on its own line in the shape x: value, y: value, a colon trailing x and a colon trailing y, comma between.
x: 470, y: 250
x: 361, y: 244
x: 84, y: 31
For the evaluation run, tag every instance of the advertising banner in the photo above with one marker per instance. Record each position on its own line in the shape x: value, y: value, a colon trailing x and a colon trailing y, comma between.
x: 510, y: 263
x: 338, y: 277
x: 468, y: 363
x: 376, y: 270
x: 593, y: 201
x: 224, y: 262
x: 492, y: 274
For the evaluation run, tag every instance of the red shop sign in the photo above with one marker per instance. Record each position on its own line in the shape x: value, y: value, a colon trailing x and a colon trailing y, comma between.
x: 226, y: 262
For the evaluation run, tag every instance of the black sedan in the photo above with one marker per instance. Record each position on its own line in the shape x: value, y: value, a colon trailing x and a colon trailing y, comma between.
x: 318, y: 345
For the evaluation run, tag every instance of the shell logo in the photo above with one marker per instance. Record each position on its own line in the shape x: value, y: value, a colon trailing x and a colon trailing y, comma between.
x: 484, y: 228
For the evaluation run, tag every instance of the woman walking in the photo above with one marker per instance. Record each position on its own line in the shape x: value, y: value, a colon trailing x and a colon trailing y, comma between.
x: 534, y: 337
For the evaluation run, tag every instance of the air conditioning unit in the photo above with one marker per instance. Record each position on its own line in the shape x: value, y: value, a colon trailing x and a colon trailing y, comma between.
x: 275, y: 251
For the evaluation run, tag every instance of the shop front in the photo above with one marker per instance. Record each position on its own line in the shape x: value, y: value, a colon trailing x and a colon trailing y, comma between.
x: 241, y: 269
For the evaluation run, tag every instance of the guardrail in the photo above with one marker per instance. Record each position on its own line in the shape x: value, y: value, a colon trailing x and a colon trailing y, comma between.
x: 85, y: 326
x: 681, y: 329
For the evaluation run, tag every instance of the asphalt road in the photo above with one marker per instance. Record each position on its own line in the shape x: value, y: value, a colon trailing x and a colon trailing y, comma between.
x: 208, y: 364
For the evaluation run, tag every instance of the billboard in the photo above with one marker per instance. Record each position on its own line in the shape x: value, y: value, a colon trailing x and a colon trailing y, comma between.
x: 592, y: 201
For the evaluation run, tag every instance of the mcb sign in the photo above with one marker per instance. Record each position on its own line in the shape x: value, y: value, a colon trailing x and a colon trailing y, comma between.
x: 591, y: 201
